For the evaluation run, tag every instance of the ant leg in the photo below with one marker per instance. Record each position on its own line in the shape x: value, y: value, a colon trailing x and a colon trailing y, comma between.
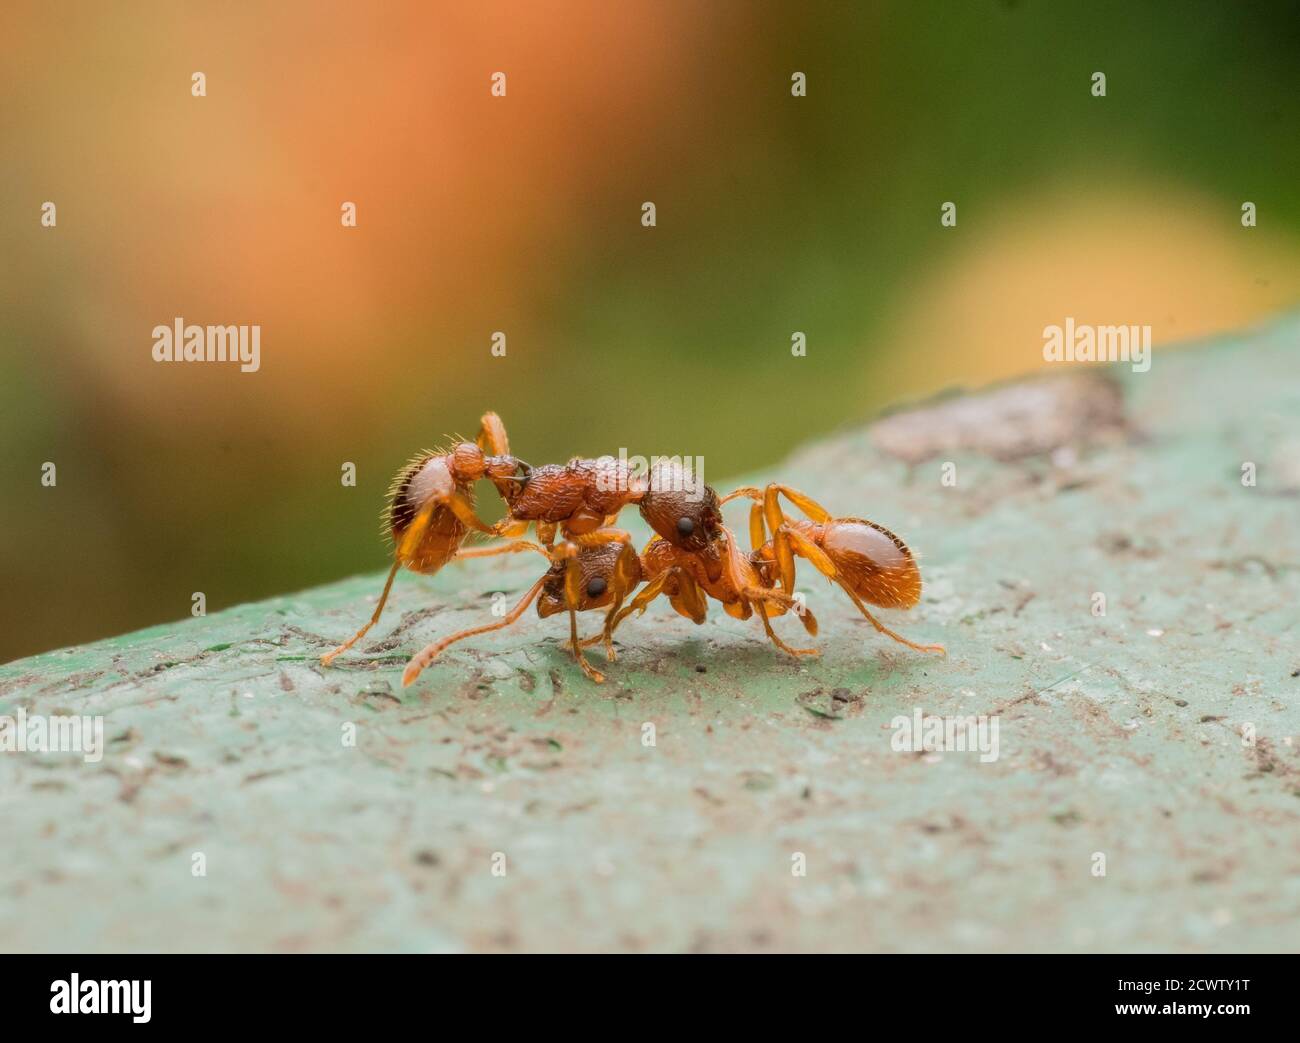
x: 512, y: 547
x: 429, y: 653
x: 827, y: 567
x: 745, y: 490
x: 764, y: 597
x: 775, y: 519
x: 599, y: 537
x: 329, y: 657
x: 638, y: 604
x: 510, y: 528
x: 463, y: 508
x: 627, y: 574
x: 739, y: 573
x: 803, y: 501
x: 758, y: 538
x: 492, y: 436
x: 767, y: 625
x: 414, y: 533
x: 690, y: 597
x: 757, y: 530
x: 572, y: 599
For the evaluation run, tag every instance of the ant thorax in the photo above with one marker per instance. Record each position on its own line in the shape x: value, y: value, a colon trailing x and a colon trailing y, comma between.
x: 615, y: 481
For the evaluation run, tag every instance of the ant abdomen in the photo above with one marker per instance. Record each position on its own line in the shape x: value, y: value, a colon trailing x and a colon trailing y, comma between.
x: 874, y: 562
x: 426, y: 482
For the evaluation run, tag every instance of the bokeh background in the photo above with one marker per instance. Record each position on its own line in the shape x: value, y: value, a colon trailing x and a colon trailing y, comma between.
x: 522, y: 214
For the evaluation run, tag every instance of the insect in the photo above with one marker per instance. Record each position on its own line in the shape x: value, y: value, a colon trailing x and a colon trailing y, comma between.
x: 580, y: 578
x: 576, y: 500
x: 431, y: 508
x: 867, y: 561
x: 582, y: 499
x: 598, y: 567
x: 687, y: 579
x: 695, y: 557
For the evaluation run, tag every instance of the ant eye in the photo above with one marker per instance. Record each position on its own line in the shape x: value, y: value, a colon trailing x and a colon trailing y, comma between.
x: 685, y: 525
x: 595, y: 587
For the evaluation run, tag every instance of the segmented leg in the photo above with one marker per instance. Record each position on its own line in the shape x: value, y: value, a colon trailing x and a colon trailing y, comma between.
x: 329, y: 657
x: 572, y: 599
x: 511, y: 528
x: 767, y: 625
x: 431, y: 652
x: 463, y: 508
x: 513, y: 547
x: 598, y: 537
x: 405, y: 549
x: 627, y: 574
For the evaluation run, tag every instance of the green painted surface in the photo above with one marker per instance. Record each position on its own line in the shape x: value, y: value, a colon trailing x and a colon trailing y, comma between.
x: 1120, y: 734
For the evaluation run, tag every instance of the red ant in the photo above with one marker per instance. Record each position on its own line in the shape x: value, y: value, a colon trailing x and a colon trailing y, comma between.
x: 582, y: 499
x: 705, y: 562
x: 693, y: 556
x: 702, y: 561
x: 431, y: 507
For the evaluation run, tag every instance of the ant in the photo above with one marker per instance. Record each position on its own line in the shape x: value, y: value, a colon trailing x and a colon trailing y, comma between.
x: 431, y: 508
x: 740, y: 587
x: 582, y: 499
x: 868, y: 561
x: 696, y: 552
x: 580, y: 578
x: 696, y: 558
x: 692, y: 557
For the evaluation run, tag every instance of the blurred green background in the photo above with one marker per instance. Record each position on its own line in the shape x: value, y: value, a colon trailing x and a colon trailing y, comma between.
x: 522, y: 214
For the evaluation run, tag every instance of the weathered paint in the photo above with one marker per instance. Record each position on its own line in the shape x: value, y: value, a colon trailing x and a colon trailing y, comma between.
x: 1120, y: 734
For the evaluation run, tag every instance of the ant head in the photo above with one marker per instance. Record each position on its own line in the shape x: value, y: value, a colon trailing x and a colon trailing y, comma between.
x: 596, y: 585
x: 509, y: 475
x: 467, y: 462
x: 688, y: 518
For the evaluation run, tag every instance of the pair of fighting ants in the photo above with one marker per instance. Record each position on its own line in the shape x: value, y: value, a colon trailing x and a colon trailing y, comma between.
x: 692, y: 557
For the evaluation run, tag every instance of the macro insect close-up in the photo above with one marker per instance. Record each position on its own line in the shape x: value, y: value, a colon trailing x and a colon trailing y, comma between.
x: 692, y: 557
x: 837, y: 470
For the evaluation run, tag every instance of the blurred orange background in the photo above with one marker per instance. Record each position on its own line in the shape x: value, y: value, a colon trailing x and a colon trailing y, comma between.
x: 522, y: 214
